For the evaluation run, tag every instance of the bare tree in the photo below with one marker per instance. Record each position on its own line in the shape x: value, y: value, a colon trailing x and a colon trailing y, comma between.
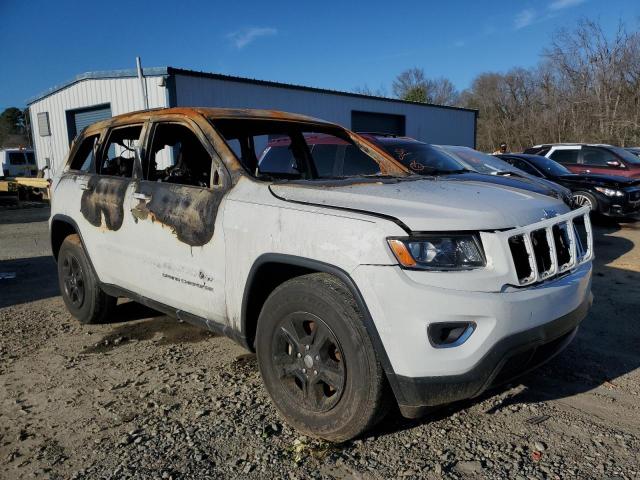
x: 413, y: 85
x: 585, y: 89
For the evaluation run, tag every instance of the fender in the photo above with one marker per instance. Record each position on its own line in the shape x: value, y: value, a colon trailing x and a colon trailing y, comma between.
x: 318, y: 266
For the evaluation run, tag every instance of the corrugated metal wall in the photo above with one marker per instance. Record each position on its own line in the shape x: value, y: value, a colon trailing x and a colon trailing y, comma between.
x: 427, y: 123
x: 123, y: 94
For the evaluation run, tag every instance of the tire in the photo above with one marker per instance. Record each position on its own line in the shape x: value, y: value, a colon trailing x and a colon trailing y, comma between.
x: 335, y: 388
x: 79, y: 286
x: 582, y: 199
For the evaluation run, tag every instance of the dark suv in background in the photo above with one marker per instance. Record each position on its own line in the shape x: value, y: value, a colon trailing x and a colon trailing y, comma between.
x: 605, y: 194
x: 591, y: 158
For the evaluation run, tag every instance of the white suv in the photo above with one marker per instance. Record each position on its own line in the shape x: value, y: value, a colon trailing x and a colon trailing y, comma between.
x: 350, y: 289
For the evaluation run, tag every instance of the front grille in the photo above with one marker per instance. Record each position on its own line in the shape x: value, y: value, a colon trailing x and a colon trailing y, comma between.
x: 550, y: 247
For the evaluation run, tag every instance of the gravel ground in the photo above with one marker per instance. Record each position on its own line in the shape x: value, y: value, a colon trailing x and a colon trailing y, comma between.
x: 149, y: 397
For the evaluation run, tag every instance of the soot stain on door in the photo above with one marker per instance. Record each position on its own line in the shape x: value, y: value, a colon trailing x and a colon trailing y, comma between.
x: 104, y: 197
x: 189, y: 211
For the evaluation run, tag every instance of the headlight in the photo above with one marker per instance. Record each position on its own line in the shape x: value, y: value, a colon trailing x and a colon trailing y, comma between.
x: 610, y: 192
x: 438, y: 252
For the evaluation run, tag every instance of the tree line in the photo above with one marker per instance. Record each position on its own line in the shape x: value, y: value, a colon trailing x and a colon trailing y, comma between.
x: 586, y: 88
x: 14, y: 128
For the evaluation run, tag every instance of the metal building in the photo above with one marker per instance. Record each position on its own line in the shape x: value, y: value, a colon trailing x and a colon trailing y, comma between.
x: 61, y: 112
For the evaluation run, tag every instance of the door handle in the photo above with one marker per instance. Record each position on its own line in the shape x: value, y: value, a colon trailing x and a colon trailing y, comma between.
x: 142, y: 196
x: 84, y: 185
x: 585, y: 171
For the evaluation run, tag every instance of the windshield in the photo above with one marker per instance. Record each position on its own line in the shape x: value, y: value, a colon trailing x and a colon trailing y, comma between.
x: 290, y: 150
x: 478, y: 161
x: 626, y: 155
x: 550, y: 167
x: 421, y: 158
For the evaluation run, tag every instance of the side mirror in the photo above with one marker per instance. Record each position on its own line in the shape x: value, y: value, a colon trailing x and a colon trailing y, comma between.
x: 614, y: 163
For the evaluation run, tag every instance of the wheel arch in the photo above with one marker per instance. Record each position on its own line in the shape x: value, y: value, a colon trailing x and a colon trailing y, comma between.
x: 272, y: 269
x: 61, y: 227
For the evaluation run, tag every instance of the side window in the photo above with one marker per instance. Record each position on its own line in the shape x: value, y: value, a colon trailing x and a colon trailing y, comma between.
x: 566, y: 156
x: 356, y: 162
x: 524, y: 166
x: 84, y: 158
x: 178, y: 156
x: 597, y: 156
x: 17, y: 158
x: 119, y: 153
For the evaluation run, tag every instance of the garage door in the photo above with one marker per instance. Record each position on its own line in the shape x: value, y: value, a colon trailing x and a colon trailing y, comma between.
x: 80, y: 118
x: 377, y: 122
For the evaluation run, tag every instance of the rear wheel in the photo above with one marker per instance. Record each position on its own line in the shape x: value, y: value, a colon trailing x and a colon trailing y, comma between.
x: 79, y: 287
x: 317, y: 360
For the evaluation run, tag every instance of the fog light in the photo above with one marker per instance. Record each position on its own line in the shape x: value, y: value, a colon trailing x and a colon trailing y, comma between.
x: 449, y: 334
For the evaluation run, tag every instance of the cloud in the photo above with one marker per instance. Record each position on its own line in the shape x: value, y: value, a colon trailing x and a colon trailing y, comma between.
x: 525, y: 18
x: 560, y: 4
x: 242, y: 38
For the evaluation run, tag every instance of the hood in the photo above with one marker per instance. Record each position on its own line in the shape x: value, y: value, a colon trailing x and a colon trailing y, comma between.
x: 533, y: 184
x: 429, y: 204
x: 612, y: 181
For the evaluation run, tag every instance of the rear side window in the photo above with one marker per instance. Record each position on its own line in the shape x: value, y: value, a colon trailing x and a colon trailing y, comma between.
x: 84, y: 158
x: 119, y: 154
x: 565, y: 156
x: 522, y: 165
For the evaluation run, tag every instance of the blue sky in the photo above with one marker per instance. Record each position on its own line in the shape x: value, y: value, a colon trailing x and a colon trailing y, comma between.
x: 323, y: 44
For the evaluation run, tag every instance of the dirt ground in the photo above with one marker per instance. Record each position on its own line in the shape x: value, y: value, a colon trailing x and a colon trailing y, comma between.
x: 149, y: 397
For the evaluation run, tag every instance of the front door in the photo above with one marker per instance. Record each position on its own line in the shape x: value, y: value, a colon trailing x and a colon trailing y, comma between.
x: 176, y: 209
x: 600, y: 160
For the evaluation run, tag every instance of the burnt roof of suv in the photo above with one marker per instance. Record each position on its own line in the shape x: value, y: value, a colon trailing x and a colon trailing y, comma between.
x: 210, y: 113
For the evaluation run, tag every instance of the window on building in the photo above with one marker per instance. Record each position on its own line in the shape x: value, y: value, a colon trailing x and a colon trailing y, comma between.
x: 43, y: 124
x: 178, y: 156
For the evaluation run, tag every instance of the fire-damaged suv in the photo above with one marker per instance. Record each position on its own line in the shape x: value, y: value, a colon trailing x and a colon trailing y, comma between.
x: 353, y: 286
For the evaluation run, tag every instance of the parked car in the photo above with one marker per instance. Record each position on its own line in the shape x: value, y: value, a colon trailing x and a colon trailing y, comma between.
x: 604, y: 194
x: 498, y: 170
x: 634, y: 150
x: 591, y: 158
x: 17, y: 162
x: 344, y: 285
x: 332, y: 154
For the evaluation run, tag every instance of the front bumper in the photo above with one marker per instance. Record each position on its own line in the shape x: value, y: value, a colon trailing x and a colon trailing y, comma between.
x: 511, y: 357
x: 533, y: 322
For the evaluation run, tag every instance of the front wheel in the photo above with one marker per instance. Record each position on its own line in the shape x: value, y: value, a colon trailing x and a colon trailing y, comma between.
x: 585, y: 199
x: 317, y: 360
x: 79, y: 286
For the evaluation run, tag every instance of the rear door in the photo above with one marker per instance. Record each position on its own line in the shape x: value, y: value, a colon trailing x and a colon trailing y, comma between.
x: 107, y: 228
x: 177, y: 209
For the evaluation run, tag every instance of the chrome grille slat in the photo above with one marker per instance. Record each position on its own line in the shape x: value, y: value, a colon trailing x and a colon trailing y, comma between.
x: 566, y: 234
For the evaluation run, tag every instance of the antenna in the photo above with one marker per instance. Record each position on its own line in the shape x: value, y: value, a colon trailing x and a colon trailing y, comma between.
x: 143, y: 84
